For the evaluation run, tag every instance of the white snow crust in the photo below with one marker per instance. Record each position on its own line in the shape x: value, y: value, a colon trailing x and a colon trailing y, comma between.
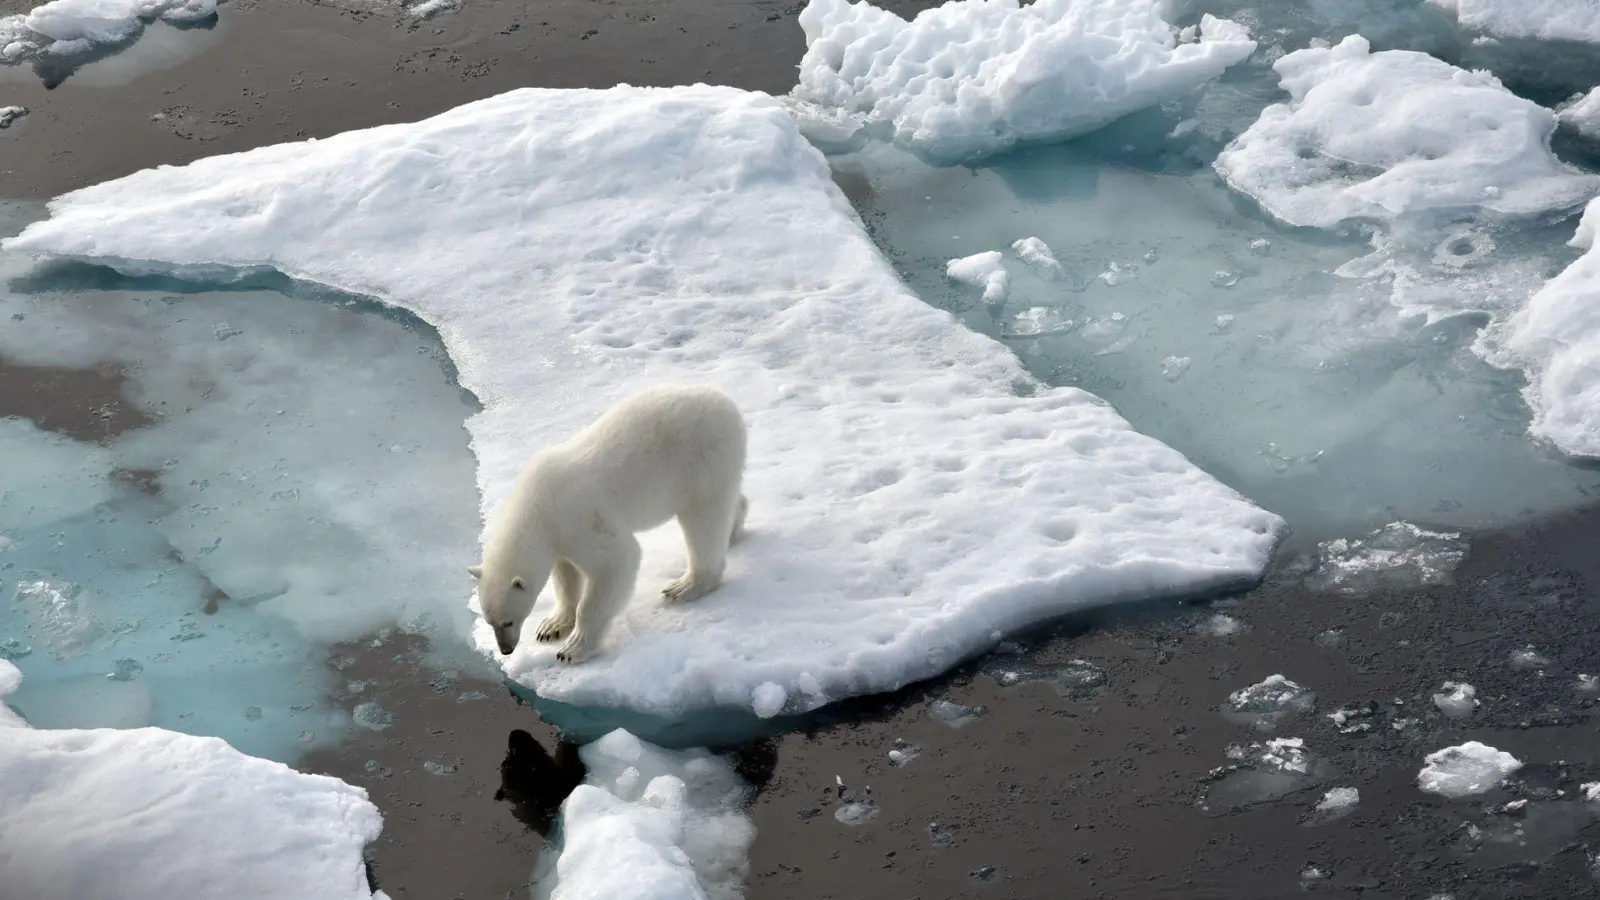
x: 1382, y: 136
x: 574, y: 246
x: 1547, y: 20
x: 975, y: 77
x: 653, y: 824
x: 1464, y: 770
x: 1555, y: 339
x: 148, y: 814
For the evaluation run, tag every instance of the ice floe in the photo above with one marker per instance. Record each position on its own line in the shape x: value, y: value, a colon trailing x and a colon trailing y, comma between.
x: 147, y: 814
x: 913, y: 490
x: 68, y: 28
x: 974, y: 77
x: 1546, y: 20
x: 1464, y: 770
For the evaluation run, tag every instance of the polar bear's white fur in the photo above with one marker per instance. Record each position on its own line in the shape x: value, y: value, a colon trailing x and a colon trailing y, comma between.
x: 665, y: 452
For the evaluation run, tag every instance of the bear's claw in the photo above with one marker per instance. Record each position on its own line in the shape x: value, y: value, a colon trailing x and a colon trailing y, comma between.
x: 553, y: 629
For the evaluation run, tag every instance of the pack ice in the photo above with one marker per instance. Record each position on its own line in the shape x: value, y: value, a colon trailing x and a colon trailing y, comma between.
x: 975, y: 77
x: 913, y: 490
x: 1396, y: 134
x: 148, y: 814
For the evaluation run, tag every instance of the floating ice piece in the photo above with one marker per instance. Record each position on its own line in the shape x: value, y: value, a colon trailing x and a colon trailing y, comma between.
x: 973, y: 77
x: 1263, y: 704
x: 655, y: 824
x: 954, y: 714
x: 372, y: 716
x: 1456, y: 699
x: 1396, y: 554
x: 767, y: 699
x: 1386, y: 135
x: 1555, y: 340
x: 903, y: 753
x: 1038, y: 321
x: 1356, y: 719
x: 1464, y: 770
x: 1591, y: 792
x: 1545, y: 20
x: 1174, y: 367
x: 1528, y: 658
x: 1587, y: 684
x: 907, y: 502
x: 984, y: 270
x: 1220, y: 625
x: 74, y: 27
x: 9, y: 115
x: 149, y: 814
x: 1339, y: 800
x: 1583, y: 115
x: 1036, y: 253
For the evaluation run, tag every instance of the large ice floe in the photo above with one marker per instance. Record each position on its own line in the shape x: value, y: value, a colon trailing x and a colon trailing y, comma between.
x: 914, y: 492
x: 975, y: 77
x: 1545, y: 20
x: 1555, y: 339
x: 74, y: 28
x: 147, y: 814
x: 653, y: 824
x: 1393, y: 135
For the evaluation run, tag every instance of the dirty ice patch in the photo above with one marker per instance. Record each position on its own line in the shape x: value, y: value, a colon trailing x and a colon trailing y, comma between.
x: 1394, y: 135
x: 68, y: 28
x: 1555, y: 340
x: 913, y: 491
x: 1545, y: 20
x: 653, y: 824
x: 149, y: 814
x: 975, y: 77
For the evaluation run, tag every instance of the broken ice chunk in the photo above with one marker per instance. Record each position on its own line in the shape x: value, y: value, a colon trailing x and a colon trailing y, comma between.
x: 1466, y: 769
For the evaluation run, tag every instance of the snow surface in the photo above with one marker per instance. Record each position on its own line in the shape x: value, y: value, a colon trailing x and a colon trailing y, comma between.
x: 653, y: 824
x: 913, y: 491
x: 1583, y: 115
x: 72, y: 27
x: 975, y: 77
x: 1548, y: 20
x: 149, y: 814
x: 1464, y: 770
x: 985, y: 270
x: 1394, y: 134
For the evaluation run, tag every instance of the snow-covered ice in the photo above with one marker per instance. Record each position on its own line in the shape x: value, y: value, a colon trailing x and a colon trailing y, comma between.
x: 1396, y: 134
x: 972, y: 78
x: 1265, y: 703
x: 1583, y: 115
x: 1546, y: 20
x: 913, y: 490
x: 1464, y: 770
x: 147, y: 814
x: 986, y: 270
x: 68, y: 28
x: 1339, y: 800
x: 1399, y: 553
x: 1456, y: 699
x: 653, y: 824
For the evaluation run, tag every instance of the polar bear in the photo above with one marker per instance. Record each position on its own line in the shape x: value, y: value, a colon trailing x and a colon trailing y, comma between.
x: 664, y: 452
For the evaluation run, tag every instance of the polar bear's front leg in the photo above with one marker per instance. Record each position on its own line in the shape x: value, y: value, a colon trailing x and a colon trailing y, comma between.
x: 569, y: 589
x: 611, y: 577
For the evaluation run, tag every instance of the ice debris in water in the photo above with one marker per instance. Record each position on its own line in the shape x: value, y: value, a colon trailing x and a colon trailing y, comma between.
x: 65, y: 28
x: 972, y: 78
x: 1583, y: 115
x: 1340, y: 799
x: 1263, y: 704
x: 124, y: 669
x: 1223, y: 323
x: 1356, y: 719
x: 1284, y: 755
x: 1038, y: 321
x: 954, y: 714
x: 983, y: 270
x: 1036, y: 253
x: 469, y: 696
x: 1528, y: 658
x: 8, y: 117
x: 1466, y: 769
x: 1591, y: 792
x: 1456, y: 699
x: 1174, y: 367
x: 855, y: 808
x: 437, y: 768
x: 1220, y: 625
x: 13, y: 648
x: 767, y: 699
x: 939, y: 835
x: 1587, y: 684
x: 1077, y: 679
x: 903, y: 753
x: 1332, y: 639
x: 372, y: 716
x: 1398, y: 553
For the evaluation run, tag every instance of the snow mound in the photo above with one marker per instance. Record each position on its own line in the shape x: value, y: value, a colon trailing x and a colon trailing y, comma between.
x: 73, y: 27
x: 1389, y: 135
x: 975, y: 77
x: 1545, y: 20
x: 653, y: 824
x: 149, y: 814
x: 1464, y: 770
x: 913, y: 491
x: 1583, y: 115
x: 1555, y: 340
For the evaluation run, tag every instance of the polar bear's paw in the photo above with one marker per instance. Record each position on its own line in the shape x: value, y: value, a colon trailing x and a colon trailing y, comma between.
x: 687, y: 588
x: 554, y: 628
x: 575, y: 650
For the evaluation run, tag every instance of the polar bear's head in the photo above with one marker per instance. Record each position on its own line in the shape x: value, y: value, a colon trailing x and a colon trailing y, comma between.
x: 507, y: 599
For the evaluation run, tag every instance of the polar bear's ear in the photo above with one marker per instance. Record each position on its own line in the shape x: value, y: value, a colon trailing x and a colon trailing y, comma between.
x: 517, y: 583
x: 476, y: 571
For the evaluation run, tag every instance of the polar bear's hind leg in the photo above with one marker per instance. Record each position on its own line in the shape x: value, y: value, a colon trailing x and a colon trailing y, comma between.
x: 708, y: 528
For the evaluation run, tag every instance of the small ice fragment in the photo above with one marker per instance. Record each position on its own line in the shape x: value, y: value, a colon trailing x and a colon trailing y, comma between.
x: 1219, y: 625
x: 306, y: 737
x: 809, y: 685
x: 1223, y: 323
x: 13, y: 648
x: 903, y: 753
x: 954, y: 714
x: 1173, y: 367
x: 1223, y: 278
x: 5, y: 543
x: 372, y: 716
x: 1260, y: 246
x: 768, y: 699
x: 1528, y: 658
x: 1397, y: 553
x: 1264, y: 703
x: 939, y: 835
x: 1587, y: 684
x: 1515, y: 807
x: 1037, y: 253
x: 1183, y: 128
x: 470, y: 696
x: 1038, y: 321
x: 984, y: 874
x: 124, y: 669
x: 1466, y: 769
x: 434, y: 768
x: 1312, y: 874
x: 1591, y: 792
x: 983, y: 270
x: 1332, y: 639
x: 1339, y: 799
x: 1456, y: 699
x: 1115, y: 274
x: 1354, y: 719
